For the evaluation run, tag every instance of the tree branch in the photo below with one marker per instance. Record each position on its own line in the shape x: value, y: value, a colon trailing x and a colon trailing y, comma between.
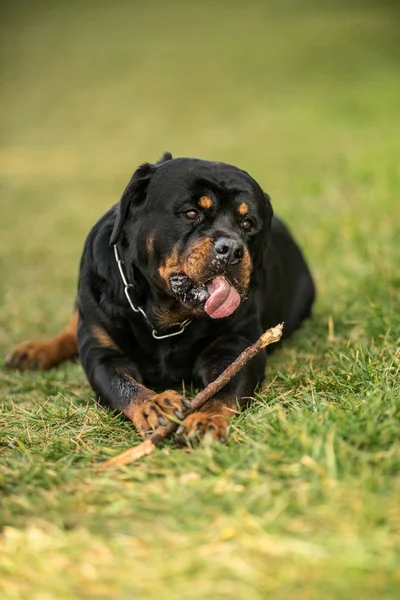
x: 132, y: 454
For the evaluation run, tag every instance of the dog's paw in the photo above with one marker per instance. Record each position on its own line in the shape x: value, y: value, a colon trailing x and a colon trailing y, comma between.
x: 38, y: 354
x: 158, y: 410
x: 200, y: 424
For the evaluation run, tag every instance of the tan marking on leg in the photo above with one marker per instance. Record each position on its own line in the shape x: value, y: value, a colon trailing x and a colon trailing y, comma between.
x: 149, y: 410
x: 221, y: 406
x: 212, y: 419
x: 102, y: 337
x: 150, y: 244
x: 44, y: 354
x: 133, y: 410
x: 66, y: 339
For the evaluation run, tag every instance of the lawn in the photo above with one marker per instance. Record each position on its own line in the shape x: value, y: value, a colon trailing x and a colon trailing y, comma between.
x: 304, y: 499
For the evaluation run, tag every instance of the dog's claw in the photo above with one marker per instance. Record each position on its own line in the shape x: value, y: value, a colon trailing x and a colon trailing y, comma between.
x: 158, y: 410
x: 199, y: 425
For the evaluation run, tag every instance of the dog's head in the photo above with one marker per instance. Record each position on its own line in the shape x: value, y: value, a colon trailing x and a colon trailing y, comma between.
x: 196, y: 230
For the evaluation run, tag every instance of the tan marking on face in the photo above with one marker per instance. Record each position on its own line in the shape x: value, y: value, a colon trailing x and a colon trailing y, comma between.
x: 102, y: 337
x: 243, y: 209
x: 198, y: 260
x: 240, y: 278
x: 172, y: 264
x: 150, y: 244
x: 205, y: 202
x: 199, y: 266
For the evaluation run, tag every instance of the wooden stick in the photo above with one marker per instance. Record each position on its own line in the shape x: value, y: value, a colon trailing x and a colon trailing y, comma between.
x: 132, y: 454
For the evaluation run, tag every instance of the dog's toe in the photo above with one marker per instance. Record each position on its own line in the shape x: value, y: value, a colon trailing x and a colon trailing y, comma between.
x: 199, y: 425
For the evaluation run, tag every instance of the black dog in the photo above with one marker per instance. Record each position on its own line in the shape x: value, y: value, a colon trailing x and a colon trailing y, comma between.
x: 186, y: 271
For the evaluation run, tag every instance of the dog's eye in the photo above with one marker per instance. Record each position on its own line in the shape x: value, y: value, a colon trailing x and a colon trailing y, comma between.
x: 192, y: 214
x: 246, y: 225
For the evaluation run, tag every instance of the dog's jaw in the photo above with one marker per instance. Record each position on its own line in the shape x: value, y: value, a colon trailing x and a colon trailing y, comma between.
x: 217, y: 297
x: 187, y: 292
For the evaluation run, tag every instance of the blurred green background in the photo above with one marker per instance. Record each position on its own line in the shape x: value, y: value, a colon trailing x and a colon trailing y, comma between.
x: 303, y: 95
x: 306, y: 97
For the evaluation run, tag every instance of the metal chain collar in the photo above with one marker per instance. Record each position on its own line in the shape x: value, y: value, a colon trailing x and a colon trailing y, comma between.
x: 137, y: 309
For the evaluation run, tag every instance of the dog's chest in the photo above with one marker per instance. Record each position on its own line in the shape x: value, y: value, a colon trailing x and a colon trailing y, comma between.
x: 166, y: 363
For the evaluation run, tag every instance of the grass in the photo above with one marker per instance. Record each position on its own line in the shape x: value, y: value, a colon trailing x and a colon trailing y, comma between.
x: 304, y: 500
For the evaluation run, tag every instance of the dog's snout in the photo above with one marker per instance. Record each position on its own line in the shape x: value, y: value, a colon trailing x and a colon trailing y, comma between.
x: 229, y: 249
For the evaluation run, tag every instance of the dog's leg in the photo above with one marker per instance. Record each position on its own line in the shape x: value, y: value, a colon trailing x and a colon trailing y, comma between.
x: 213, y: 417
x: 44, y: 354
x: 117, y: 382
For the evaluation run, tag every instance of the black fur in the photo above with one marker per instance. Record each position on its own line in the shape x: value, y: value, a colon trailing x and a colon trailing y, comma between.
x: 281, y: 287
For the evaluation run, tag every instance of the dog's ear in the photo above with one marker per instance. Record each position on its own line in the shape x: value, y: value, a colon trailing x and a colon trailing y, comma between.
x: 259, y: 253
x: 166, y: 156
x: 135, y: 193
x: 269, y: 205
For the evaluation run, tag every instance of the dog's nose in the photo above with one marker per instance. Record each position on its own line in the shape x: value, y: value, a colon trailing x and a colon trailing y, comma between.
x: 229, y: 249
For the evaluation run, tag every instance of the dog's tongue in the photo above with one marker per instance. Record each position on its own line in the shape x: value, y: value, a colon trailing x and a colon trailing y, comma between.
x: 223, y: 299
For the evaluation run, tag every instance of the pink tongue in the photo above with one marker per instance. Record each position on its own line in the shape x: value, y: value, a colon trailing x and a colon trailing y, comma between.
x: 223, y: 299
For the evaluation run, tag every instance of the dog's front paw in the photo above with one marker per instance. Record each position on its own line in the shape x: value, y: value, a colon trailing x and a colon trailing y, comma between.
x: 158, y: 410
x: 200, y: 424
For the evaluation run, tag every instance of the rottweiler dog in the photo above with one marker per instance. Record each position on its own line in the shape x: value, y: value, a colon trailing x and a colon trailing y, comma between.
x: 185, y: 272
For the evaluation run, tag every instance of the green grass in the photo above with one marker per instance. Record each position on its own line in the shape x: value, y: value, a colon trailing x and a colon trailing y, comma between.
x: 304, y: 500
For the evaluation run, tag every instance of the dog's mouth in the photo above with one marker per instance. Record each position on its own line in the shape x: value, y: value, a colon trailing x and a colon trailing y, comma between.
x: 223, y: 298
x: 217, y: 297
